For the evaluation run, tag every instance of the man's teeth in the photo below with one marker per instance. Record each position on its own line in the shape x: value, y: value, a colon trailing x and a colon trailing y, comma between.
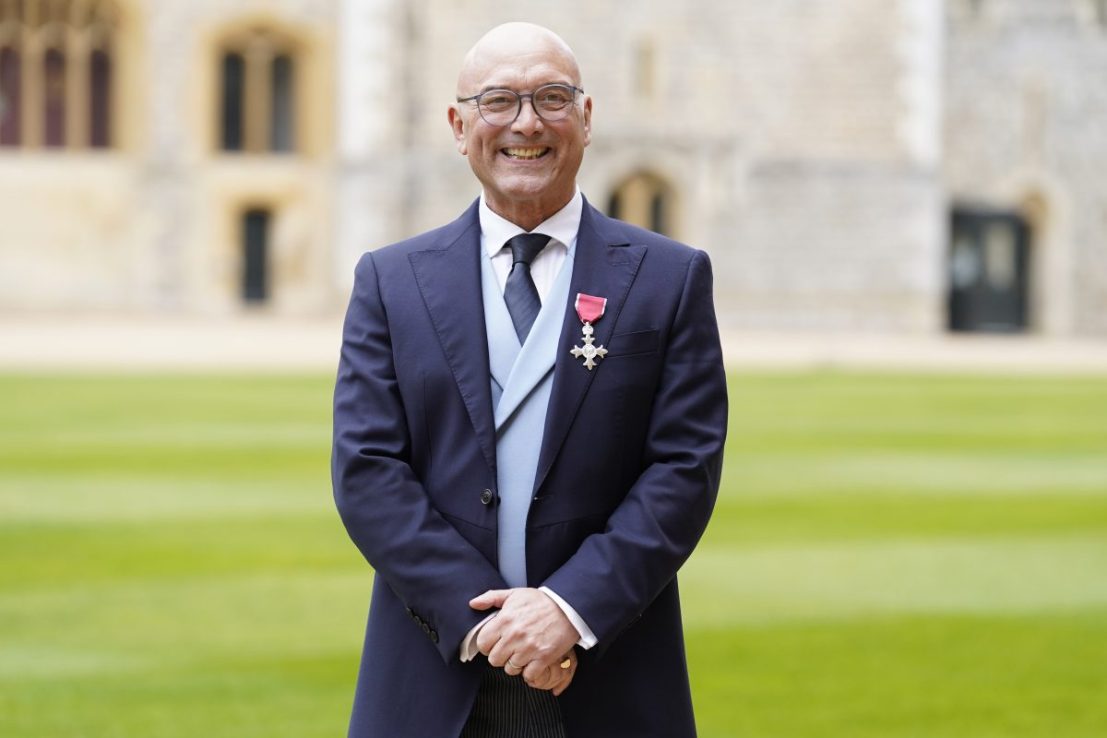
x: 525, y: 153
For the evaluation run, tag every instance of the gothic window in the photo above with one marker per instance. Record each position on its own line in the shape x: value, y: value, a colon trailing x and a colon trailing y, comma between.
x: 53, y: 93
x: 255, y: 256
x: 280, y: 133
x: 56, y: 72
x: 233, y: 100
x: 644, y: 200
x: 10, y: 95
x: 258, y: 93
x: 100, y: 98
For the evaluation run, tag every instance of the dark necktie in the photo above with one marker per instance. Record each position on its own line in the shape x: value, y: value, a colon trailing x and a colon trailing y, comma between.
x: 520, y: 294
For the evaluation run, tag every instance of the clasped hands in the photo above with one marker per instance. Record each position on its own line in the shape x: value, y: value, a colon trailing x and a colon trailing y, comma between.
x: 530, y: 635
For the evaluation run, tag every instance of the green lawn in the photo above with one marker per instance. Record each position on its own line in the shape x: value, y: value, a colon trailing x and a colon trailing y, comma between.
x: 891, y: 556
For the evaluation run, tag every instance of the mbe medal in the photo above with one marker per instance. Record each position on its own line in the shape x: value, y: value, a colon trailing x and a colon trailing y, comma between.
x: 589, y: 310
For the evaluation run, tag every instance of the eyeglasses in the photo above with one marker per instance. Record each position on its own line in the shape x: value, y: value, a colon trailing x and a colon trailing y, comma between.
x: 502, y: 107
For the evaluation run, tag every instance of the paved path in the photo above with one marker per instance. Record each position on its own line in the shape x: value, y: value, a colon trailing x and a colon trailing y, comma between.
x: 267, y: 343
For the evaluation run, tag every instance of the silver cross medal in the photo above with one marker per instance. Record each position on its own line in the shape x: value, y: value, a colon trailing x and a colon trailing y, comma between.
x: 590, y: 352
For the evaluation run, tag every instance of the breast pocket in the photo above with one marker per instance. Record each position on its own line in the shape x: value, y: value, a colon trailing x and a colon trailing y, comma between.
x: 632, y: 344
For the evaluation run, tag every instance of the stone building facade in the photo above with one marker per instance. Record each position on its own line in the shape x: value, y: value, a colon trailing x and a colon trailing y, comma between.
x: 152, y: 217
x: 886, y: 165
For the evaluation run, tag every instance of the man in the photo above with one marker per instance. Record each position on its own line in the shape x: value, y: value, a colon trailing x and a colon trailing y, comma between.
x: 528, y: 437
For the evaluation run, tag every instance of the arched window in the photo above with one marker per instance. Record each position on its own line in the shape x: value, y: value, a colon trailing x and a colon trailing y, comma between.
x: 11, y: 114
x: 53, y: 97
x: 100, y: 87
x: 258, y: 93
x: 645, y: 200
x: 56, y: 72
x: 255, y: 255
x: 234, y: 67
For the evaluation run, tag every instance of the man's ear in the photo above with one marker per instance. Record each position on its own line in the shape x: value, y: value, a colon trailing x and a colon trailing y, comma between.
x: 457, y: 125
x: 587, y: 120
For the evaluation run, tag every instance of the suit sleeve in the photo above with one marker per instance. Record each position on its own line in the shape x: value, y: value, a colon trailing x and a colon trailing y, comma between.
x: 431, y: 568
x: 616, y: 574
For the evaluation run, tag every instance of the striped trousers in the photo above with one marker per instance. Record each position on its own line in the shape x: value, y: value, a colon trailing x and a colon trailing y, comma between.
x: 507, y: 708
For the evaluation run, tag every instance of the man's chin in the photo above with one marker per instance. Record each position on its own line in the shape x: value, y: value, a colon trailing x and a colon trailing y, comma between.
x: 523, y: 190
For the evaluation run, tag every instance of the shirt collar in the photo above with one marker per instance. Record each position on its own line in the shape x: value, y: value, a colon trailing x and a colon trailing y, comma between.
x: 561, y: 226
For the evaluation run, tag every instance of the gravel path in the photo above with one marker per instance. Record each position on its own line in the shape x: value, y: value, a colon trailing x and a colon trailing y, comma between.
x: 267, y: 343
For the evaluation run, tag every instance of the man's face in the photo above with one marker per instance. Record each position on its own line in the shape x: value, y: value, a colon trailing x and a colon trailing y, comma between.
x: 529, y: 167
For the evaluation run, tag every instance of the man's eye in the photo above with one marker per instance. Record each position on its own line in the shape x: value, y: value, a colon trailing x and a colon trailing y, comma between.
x: 553, y: 98
x: 497, y: 100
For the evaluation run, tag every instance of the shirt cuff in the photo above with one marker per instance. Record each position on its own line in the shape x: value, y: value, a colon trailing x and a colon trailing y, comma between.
x: 469, y: 648
x: 587, y: 638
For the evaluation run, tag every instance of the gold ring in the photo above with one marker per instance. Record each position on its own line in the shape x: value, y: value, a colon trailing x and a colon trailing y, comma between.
x: 513, y: 665
x: 566, y: 663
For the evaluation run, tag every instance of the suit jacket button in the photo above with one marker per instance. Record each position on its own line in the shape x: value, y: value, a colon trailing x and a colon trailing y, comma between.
x: 434, y: 636
x: 426, y: 628
x: 486, y: 497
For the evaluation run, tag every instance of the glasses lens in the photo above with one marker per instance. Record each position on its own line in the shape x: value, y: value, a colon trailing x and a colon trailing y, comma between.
x: 553, y: 101
x: 499, y: 107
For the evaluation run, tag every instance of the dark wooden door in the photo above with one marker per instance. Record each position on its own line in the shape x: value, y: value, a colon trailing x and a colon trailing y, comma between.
x: 988, y: 272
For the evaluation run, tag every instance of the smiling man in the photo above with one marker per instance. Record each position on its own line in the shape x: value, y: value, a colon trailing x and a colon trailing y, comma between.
x: 528, y: 429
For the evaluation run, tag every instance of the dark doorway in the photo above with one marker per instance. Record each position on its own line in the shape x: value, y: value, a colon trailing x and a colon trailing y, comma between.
x: 988, y: 271
x: 255, y: 262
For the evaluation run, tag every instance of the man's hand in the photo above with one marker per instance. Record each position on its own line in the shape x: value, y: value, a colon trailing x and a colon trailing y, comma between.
x: 530, y: 636
x: 553, y: 678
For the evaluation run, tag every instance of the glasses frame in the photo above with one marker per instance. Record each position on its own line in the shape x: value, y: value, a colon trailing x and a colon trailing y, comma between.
x: 519, y: 102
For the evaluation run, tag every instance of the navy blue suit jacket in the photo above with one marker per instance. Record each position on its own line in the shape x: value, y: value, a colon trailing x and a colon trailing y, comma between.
x: 628, y: 475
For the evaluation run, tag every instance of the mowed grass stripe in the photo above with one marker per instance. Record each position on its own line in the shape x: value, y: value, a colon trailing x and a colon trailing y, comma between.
x: 962, y: 472
x: 842, y: 515
x: 46, y: 557
x: 174, y: 623
x: 822, y: 413
x: 76, y: 497
x: 984, y: 676
x: 865, y: 579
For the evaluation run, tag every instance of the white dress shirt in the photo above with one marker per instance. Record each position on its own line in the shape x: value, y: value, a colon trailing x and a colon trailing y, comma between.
x: 562, y: 228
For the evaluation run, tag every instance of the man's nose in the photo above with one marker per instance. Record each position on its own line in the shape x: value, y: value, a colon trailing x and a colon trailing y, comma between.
x: 528, y: 122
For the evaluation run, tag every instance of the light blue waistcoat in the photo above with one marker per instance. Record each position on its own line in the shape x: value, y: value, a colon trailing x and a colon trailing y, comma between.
x: 522, y: 378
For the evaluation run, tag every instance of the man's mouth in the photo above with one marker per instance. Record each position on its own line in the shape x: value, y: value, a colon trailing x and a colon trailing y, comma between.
x: 519, y: 152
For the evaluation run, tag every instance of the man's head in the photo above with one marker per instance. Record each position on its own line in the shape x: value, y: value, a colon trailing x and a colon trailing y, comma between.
x: 528, y: 167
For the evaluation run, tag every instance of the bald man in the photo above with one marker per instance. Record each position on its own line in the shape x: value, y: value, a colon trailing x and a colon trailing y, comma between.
x: 529, y: 420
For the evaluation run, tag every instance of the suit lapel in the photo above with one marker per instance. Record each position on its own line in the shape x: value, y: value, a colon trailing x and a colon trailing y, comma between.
x: 605, y: 266
x: 449, y: 280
